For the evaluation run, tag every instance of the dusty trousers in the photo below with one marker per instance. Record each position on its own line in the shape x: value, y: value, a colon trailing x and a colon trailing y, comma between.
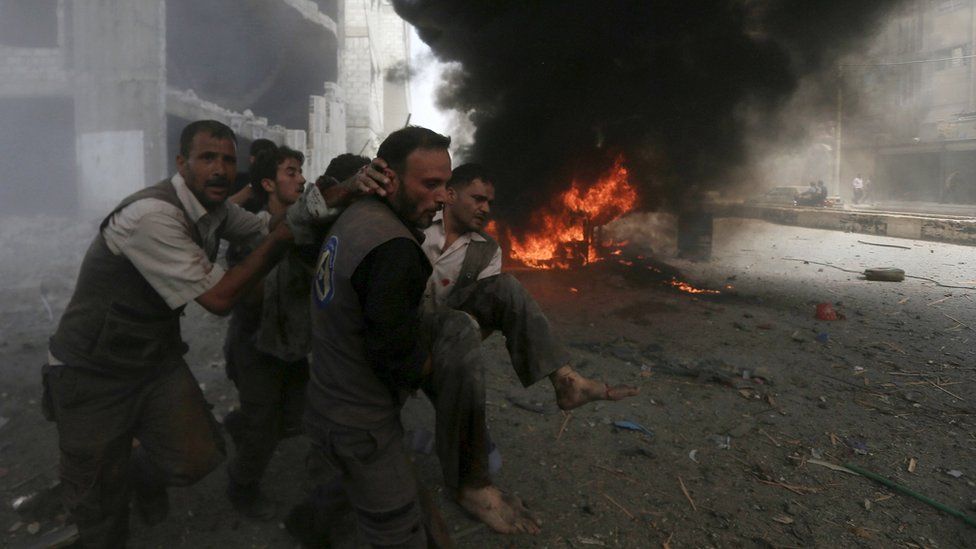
x: 99, y: 416
x: 501, y: 303
x: 376, y: 476
x: 456, y: 388
x: 376, y: 480
x: 272, y: 396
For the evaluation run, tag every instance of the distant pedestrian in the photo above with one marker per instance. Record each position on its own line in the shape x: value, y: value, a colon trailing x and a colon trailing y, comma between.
x: 950, y: 189
x: 858, y: 185
x: 822, y: 193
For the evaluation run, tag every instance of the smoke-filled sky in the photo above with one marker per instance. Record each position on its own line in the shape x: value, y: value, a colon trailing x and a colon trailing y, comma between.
x: 557, y: 90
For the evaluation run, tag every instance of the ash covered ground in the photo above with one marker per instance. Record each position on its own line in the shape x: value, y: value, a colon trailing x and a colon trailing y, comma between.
x: 746, y: 393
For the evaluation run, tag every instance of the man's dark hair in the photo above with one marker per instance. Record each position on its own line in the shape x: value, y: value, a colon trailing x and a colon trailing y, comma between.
x: 345, y: 165
x: 463, y: 175
x: 217, y: 130
x: 398, y: 145
x: 260, y: 145
x: 266, y: 167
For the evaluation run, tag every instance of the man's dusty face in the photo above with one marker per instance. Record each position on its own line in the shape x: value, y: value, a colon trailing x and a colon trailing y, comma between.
x: 420, y: 192
x: 209, y: 168
x: 470, y: 207
x: 289, y: 182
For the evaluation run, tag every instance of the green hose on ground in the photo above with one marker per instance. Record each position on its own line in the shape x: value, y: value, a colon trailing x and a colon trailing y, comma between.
x: 908, y: 492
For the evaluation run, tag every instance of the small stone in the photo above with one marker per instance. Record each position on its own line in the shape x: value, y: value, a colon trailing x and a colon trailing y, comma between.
x: 34, y: 528
x: 867, y: 504
x: 954, y: 473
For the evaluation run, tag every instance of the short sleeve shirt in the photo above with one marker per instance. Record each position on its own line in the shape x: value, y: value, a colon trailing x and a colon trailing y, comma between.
x: 447, y: 263
x: 155, y: 236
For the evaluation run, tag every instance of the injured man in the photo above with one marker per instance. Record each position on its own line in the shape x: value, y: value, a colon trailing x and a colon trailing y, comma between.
x: 467, y: 277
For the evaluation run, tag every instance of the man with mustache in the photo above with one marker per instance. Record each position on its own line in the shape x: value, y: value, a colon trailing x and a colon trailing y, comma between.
x: 467, y: 276
x: 116, y: 372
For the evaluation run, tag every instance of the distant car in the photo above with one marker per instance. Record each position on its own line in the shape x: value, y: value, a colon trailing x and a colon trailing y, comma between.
x: 779, y: 196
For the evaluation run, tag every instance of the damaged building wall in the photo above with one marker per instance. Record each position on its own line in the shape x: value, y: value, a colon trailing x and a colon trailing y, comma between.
x: 910, y: 105
x: 101, y: 88
x: 375, y: 39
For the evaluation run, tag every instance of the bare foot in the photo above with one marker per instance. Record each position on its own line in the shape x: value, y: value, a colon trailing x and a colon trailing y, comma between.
x: 574, y: 390
x: 503, y: 512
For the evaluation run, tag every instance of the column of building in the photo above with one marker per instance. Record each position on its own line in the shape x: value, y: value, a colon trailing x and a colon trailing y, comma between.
x: 118, y: 68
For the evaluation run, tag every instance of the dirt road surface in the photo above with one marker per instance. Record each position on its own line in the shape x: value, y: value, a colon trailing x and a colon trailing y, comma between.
x: 746, y: 393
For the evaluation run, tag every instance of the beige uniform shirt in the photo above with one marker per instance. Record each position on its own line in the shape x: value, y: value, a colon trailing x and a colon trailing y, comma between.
x: 155, y: 237
x: 447, y: 263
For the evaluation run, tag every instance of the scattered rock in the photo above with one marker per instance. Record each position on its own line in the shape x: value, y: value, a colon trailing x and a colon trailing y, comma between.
x: 722, y: 442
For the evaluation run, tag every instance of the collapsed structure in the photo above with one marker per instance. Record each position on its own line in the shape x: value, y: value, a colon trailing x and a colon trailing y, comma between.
x: 95, y: 92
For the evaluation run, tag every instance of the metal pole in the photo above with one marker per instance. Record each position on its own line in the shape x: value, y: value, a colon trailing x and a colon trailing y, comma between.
x: 839, y: 129
x: 972, y: 48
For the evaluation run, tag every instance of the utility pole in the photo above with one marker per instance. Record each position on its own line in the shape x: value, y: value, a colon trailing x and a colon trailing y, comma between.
x: 839, y: 129
x: 972, y: 49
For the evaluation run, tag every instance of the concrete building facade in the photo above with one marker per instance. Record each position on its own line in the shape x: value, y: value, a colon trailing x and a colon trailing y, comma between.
x: 94, y: 93
x: 909, y: 106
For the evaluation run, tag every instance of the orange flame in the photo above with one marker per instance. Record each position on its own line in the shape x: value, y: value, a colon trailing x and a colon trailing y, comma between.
x: 492, y: 229
x: 689, y: 289
x: 560, y: 233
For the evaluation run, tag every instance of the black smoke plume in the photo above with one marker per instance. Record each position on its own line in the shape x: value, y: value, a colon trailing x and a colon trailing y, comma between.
x: 557, y: 90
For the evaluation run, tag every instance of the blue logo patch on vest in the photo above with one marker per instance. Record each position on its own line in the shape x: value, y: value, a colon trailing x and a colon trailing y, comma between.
x: 322, y: 284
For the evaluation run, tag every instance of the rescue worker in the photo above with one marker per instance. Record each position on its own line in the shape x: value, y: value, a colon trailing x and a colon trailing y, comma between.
x: 116, y: 372
x: 370, y: 348
x: 268, y: 340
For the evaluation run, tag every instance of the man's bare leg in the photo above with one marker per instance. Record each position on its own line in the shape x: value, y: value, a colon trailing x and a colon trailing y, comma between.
x: 502, y: 512
x: 573, y: 390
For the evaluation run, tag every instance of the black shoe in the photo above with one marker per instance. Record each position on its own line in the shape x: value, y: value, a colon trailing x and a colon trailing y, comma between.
x: 302, y: 525
x: 250, y: 502
x: 152, y: 505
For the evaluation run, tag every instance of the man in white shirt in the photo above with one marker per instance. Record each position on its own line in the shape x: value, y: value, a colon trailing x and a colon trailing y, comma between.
x: 467, y: 276
x: 857, y: 184
x: 116, y: 371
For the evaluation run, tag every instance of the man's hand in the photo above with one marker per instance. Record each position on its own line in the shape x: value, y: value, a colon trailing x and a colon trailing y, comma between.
x: 370, y: 179
x: 279, y: 230
x: 241, y: 196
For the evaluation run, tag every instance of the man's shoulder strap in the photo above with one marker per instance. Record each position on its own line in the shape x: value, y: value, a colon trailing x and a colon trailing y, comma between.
x: 477, y: 256
x: 163, y: 190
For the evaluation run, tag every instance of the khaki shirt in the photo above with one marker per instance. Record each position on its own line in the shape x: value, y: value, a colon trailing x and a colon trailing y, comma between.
x: 447, y: 263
